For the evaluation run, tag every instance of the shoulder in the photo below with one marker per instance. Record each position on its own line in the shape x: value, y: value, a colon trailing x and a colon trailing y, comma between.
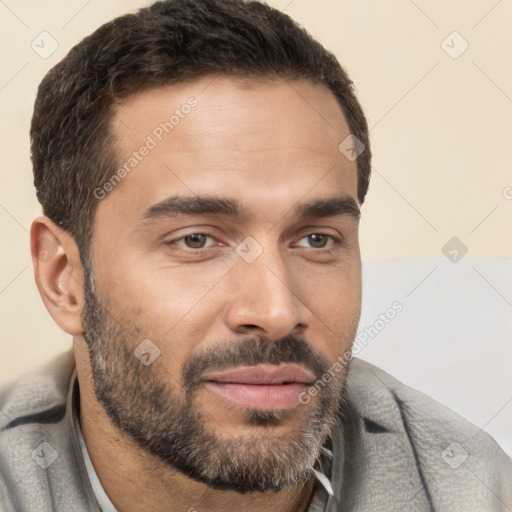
x: 380, y: 396
x: 34, y: 395
x: 38, y: 464
x: 457, y: 463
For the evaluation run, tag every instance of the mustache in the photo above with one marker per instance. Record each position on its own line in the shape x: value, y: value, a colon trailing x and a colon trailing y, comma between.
x: 253, y: 351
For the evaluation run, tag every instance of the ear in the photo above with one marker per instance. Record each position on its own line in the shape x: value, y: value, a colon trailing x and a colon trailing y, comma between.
x: 58, y: 273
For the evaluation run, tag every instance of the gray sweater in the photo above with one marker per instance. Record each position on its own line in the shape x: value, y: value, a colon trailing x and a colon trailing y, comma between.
x: 395, y: 450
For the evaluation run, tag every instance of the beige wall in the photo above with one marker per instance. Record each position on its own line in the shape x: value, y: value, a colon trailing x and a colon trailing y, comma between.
x: 441, y: 130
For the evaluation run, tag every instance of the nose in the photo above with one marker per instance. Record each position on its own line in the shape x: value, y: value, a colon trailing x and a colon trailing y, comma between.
x: 264, y: 301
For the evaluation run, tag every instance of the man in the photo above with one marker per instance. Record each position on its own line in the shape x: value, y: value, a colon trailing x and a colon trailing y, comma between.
x: 201, y: 166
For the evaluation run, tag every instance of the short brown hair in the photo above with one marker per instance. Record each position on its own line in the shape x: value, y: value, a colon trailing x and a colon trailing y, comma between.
x: 169, y: 42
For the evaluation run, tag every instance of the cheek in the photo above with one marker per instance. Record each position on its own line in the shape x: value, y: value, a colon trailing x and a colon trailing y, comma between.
x: 334, y: 289
x: 333, y: 295
x: 163, y: 295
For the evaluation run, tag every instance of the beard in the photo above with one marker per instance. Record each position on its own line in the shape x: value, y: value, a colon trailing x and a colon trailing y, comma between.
x: 161, y: 415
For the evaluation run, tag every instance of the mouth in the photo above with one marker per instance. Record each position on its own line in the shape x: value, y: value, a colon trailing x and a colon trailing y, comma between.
x: 264, y: 387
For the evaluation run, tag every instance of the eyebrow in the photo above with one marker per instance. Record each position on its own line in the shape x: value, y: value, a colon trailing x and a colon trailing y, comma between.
x: 338, y: 205
x: 212, y: 205
x: 193, y: 205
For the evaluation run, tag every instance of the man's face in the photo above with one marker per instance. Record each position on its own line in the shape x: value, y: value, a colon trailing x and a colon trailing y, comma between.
x: 230, y: 251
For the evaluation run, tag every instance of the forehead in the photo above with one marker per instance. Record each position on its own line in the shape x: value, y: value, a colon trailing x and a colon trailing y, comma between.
x: 264, y: 143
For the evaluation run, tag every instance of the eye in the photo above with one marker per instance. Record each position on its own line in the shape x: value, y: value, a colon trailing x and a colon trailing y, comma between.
x: 317, y: 240
x: 194, y: 240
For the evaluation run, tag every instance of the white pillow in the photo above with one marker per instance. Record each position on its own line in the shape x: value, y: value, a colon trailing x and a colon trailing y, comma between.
x: 446, y: 330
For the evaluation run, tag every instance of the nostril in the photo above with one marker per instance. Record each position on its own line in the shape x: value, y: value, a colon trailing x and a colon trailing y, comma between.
x: 300, y: 328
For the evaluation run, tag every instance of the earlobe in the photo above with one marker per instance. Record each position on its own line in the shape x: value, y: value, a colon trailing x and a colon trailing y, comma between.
x: 58, y: 273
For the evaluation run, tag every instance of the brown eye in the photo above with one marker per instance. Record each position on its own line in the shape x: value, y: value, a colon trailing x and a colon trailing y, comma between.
x: 195, y: 241
x: 316, y: 241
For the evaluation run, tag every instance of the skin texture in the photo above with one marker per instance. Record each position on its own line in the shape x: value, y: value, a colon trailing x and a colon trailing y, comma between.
x: 269, y: 146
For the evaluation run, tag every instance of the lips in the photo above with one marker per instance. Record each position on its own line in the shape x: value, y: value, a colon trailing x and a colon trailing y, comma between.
x: 264, y: 374
x: 264, y: 387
